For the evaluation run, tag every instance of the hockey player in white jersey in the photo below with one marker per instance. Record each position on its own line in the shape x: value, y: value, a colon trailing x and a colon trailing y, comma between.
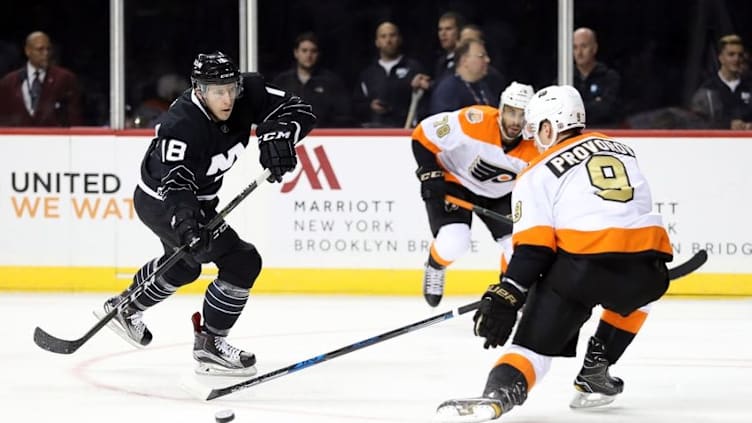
x: 584, y: 235
x: 474, y: 153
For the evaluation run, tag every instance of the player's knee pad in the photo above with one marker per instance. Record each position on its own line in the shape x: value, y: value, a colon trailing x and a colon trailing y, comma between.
x: 452, y: 241
x: 182, y: 273
x: 240, y: 267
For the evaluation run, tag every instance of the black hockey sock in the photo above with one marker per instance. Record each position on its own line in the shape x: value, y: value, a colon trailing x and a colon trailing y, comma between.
x: 155, y: 292
x: 223, y: 304
x: 508, y: 381
x: 615, y: 340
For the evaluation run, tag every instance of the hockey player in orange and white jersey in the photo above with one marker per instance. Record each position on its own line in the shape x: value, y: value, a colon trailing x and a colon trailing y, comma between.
x: 474, y: 153
x: 584, y: 235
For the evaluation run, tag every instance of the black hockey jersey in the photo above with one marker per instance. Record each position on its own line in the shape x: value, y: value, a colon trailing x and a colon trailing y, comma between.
x: 186, y: 161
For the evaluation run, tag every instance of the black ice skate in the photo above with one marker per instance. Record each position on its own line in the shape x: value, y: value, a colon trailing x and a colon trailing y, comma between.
x: 214, y: 356
x: 490, y: 406
x: 433, y: 284
x: 594, y: 384
x: 127, y: 323
x: 469, y: 410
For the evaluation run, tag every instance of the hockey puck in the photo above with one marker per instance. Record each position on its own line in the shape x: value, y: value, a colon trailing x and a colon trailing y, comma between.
x: 224, y: 416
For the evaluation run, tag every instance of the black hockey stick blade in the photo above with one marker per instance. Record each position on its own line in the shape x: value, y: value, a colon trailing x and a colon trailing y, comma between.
x: 219, y: 392
x: 689, y: 266
x: 62, y: 346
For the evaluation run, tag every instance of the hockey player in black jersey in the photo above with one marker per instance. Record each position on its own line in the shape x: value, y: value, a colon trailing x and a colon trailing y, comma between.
x: 198, y: 140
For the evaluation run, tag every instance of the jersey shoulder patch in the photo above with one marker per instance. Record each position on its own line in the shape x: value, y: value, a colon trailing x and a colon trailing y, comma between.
x: 480, y: 123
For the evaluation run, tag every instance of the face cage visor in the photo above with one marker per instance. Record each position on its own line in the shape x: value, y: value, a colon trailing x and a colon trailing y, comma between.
x: 218, y: 86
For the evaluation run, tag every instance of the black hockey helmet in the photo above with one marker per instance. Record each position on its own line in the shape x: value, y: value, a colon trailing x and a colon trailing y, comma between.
x: 214, y: 68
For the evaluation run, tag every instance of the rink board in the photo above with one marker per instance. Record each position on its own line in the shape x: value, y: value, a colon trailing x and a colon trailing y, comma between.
x: 349, y: 219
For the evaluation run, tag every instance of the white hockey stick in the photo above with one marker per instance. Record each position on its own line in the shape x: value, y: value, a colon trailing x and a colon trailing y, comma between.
x: 414, y: 100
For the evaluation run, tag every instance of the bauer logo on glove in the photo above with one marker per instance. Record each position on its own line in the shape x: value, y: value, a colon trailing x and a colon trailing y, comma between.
x: 507, y: 296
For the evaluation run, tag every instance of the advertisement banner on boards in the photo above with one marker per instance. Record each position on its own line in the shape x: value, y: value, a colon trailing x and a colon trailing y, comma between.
x: 353, y: 202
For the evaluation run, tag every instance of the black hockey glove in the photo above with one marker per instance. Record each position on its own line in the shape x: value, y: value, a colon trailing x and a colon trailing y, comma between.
x: 432, y: 185
x: 497, y: 314
x: 189, y: 232
x: 277, y: 148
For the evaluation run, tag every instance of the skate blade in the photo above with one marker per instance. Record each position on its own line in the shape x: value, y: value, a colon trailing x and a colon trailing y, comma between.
x: 468, y: 410
x: 209, y: 369
x: 113, y: 326
x: 583, y: 400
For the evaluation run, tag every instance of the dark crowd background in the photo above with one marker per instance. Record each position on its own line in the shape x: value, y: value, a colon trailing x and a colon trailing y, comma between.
x: 663, y: 49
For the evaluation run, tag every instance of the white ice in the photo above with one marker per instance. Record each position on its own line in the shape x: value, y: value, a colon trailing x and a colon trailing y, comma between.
x: 691, y: 363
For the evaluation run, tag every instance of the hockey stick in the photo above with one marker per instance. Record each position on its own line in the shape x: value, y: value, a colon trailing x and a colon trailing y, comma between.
x: 689, y: 266
x: 61, y: 346
x: 694, y: 263
x: 677, y: 272
x: 219, y: 392
x: 478, y: 209
x: 482, y: 409
x: 414, y: 99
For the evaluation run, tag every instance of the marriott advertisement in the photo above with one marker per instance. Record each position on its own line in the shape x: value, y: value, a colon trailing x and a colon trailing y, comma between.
x: 350, y: 212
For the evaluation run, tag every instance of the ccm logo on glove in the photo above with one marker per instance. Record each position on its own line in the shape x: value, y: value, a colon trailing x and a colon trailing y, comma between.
x: 278, y: 135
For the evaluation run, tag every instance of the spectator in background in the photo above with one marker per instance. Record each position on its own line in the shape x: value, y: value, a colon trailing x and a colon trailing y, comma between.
x: 169, y: 86
x: 449, y: 27
x: 40, y: 93
x: 321, y: 88
x: 705, y: 111
x: 735, y: 92
x: 598, y: 84
x: 466, y: 87
x: 448, y: 31
x: 384, y: 89
x: 495, y: 80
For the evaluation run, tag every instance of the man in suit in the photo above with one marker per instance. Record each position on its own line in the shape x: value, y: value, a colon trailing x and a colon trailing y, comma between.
x: 40, y: 93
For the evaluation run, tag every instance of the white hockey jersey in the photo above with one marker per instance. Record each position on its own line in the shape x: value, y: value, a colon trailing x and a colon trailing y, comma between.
x: 467, y: 143
x: 587, y: 195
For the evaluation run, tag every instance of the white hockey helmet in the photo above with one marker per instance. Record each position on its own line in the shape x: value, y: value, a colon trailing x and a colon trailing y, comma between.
x: 516, y: 95
x: 561, y: 105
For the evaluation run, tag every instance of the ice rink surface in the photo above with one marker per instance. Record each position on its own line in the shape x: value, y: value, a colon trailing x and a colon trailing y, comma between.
x: 691, y: 363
